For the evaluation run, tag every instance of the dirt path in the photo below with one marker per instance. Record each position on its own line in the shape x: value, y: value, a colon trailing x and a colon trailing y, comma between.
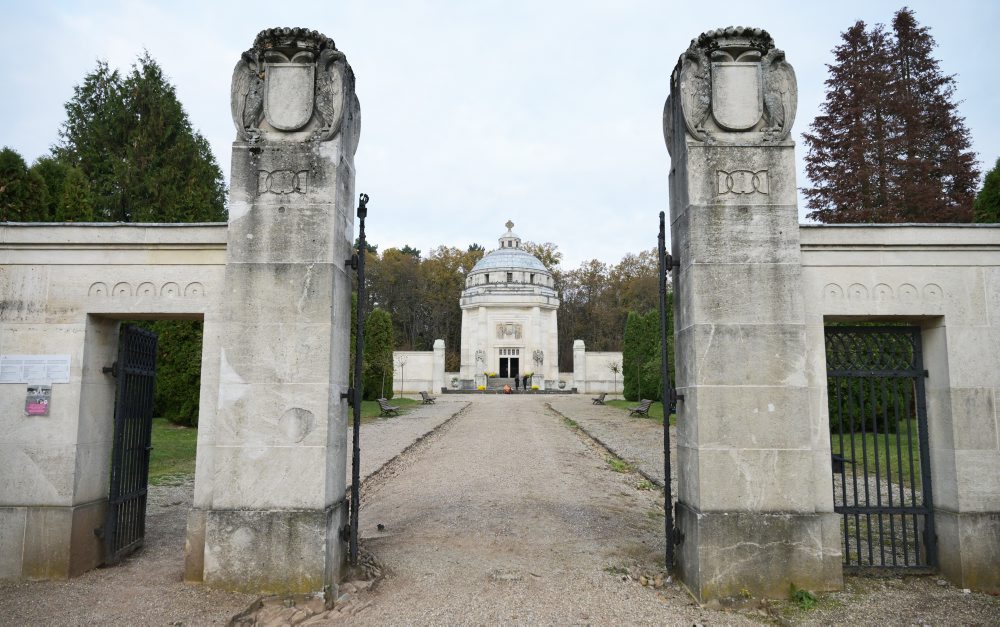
x: 511, y: 516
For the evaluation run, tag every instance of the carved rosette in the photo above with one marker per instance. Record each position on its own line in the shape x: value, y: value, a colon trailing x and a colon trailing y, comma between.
x: 294, y: 85
x: 733, y: 86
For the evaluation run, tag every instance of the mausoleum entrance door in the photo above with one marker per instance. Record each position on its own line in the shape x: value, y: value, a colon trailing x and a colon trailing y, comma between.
x: 509, y: 367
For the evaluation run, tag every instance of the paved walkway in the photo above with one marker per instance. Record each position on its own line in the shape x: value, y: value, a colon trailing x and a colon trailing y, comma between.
x: 639, y: 441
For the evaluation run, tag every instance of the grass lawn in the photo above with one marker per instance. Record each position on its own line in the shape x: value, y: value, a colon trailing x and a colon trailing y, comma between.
x: 172, y: 457
x: 908, y: 445
x: 370, y: 410
x: 655, y: 410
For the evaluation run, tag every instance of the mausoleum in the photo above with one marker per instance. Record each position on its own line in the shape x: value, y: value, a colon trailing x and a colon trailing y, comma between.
x: 509, y: 310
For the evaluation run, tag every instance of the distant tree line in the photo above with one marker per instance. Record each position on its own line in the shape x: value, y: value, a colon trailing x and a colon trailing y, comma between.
x: 421, y: 295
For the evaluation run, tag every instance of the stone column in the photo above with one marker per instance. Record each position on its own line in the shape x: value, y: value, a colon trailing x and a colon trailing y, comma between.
x: 437, y: 373
x: 746, y: 506
x: 279, y: 434
x: 579, y: 365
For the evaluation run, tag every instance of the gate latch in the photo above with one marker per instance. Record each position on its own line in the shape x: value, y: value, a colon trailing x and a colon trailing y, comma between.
x: 112, y: 369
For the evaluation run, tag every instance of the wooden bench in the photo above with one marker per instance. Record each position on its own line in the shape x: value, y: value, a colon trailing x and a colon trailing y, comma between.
x: 387, y: 409
x: 600, y: 399
x: 428, y: 399
x: 642, y: 409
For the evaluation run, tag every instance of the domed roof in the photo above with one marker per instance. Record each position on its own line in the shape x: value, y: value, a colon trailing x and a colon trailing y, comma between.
x: 506, y: 258
x: 509, y: 256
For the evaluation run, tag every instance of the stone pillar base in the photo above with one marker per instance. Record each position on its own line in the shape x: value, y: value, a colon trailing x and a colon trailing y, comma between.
x: 274, y: 551
x: 724, y: 554
x: 50, y: 542
x: 969, y: 549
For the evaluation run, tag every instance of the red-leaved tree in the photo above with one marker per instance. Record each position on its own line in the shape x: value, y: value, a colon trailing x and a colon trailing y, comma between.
x: 889, y: 144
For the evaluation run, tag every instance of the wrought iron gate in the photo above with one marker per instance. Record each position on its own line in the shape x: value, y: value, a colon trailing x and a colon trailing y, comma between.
x: 878, y: 436
x: 125, y: 525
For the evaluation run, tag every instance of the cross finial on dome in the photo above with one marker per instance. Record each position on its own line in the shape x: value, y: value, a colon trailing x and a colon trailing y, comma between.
x: 509, y: 225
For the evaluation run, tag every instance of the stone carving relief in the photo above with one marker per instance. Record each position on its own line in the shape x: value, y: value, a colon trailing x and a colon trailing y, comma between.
x: 481, y: 356
x: 508, y: 331
x: 733, y: 86
x: 146, y: 289
x: 882, y: 292
x: 743, y: 182
x: 294, y: 85
x: 282, y: 182
x: 538, y: 357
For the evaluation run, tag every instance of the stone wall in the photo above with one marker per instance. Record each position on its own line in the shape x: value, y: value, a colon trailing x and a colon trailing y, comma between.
x: 945, y: 279
x: 64, y: 288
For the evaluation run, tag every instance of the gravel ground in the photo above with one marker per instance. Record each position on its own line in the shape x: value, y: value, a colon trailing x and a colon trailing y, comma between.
x: 146, y: 589
x: 386, y: 438
x: 638, y: 441
x: 501, y: 514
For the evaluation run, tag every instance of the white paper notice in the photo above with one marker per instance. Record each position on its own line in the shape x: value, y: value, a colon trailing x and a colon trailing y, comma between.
x: 34, y: 368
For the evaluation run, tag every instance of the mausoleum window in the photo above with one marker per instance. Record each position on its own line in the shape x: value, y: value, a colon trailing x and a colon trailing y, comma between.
x: 510, y: 277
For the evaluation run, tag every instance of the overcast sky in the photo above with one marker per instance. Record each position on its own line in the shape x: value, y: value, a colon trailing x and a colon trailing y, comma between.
x: 473, y: 112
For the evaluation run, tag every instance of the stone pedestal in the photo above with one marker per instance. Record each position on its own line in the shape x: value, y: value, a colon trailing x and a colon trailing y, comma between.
x: 279, y: 434
x: 747, y: 510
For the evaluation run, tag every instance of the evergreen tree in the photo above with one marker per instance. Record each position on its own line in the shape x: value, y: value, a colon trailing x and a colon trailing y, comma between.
x: 53, y: 172
x: 132, y: 139
x: 75, y: 198
x: 377, y: 367
x: 641, y: 357
x: 889, y: 145
x: 23, y: 194
x: 988, y: 200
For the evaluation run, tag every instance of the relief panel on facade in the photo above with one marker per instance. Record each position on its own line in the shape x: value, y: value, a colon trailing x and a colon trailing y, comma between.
x: 124, y: 289
x: 509, y: 331
x: 883, y: 293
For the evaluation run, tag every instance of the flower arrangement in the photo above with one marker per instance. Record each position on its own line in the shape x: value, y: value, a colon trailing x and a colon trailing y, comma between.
x: 489, y: 375
x: 528, y: 374
x: 481, y: 387
x: 534, y: 387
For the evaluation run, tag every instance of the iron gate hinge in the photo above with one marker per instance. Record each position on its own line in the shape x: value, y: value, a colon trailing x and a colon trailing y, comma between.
x: 927, y: 374
x: 352, y: 262
x: 112, y: 369
x: 349, y: 395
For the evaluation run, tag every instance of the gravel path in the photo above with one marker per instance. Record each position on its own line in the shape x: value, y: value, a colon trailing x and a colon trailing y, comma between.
x: 508, y: 515
x: 638, y: 441
x: 385, y: 438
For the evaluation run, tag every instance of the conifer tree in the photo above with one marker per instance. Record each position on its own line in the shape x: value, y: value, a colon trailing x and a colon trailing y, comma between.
x: 75, y: 198
x: 377, y: 367
x: 889, y: 145
x: 23, y: 194
x: 132, y: 139
x: 988, y: 199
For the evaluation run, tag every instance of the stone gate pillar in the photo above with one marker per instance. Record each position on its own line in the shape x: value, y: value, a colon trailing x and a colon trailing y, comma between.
x: 279, y: 435
x: 747, y: 508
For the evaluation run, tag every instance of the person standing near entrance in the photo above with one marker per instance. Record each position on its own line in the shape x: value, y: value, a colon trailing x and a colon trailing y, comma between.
x: 524, y: 379
x: 517, y: 383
